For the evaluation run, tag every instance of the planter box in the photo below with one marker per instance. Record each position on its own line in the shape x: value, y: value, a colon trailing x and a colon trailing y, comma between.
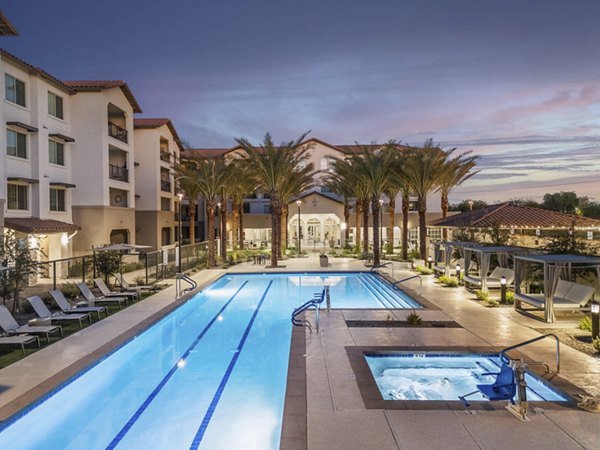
x: 323, y: 261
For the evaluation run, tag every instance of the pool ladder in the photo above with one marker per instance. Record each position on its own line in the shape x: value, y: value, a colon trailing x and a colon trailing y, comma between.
x: 531, y: 341
x: 420, y: 291
x: 379, y: 266
x: 315, y: 303
x: 178, y: 288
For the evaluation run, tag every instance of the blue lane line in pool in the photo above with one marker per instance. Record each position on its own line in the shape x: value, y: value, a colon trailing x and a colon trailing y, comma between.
x: 121, y: 434
x: 215, y: 401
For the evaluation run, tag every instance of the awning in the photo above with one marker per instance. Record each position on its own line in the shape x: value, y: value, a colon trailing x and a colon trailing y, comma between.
x: 32, y: 225
x: 24, y: 126
x: 23, y: 180
x: 62, y: 184
x: 62, y: 137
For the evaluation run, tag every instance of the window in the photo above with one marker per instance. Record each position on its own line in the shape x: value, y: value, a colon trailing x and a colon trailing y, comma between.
x: 16, y: 144
x: 55, y: 105
x: 57, y: 199
x: 56, y: 151
x: 14, y: 90
x: 324, y: 164
x: 17, y: 197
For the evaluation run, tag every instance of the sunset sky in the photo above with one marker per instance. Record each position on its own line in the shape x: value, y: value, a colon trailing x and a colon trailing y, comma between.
x: 516, y: 82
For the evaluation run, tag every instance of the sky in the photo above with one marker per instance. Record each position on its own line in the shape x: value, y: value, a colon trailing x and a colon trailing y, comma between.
x: 515, y: 82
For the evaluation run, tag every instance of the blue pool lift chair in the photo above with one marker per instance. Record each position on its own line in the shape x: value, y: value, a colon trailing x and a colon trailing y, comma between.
x: 503, y: 388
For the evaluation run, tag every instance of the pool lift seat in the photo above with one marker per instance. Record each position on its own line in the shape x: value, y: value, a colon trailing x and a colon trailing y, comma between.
x: 510, y: 382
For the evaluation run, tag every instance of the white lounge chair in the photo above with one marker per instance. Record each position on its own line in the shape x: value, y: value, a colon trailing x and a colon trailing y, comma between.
x: 106, y: 292
x: 44, y: 313
x: 91, y: 299
x: 568, y: 296
x: 10, y: 326
x: 128, y: 288
x: 64, y: 305
x: 493, y: 280
x: 20, y: 340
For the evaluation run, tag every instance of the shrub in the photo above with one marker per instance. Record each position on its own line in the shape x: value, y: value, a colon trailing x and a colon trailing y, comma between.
x: 139, y: 280
x: 491, y: 302
x: 510, y: 297
x: 414, y: 254
x: 451, y: 282
x: 414, y: 319
x: 596, y: 344
x: 585, y: 324
x: 70, y: 290
x: 423, y: 270
x: 130, y: 267
x: 482, y: 296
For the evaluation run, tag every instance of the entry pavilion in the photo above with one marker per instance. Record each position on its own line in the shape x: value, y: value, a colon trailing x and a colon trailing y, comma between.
x: 576, y: 276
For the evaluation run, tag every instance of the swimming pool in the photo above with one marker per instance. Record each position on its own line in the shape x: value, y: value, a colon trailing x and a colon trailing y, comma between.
x: 211, y: 374
x: 435, y: 376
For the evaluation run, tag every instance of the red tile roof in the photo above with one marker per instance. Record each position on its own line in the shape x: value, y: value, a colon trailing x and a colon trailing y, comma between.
x: 512, y: 215
x: 7, y: 28
x: 39, y: 226
x: 204, y: 152
x: 151, y: 123
x: 36, y: 71
x: 99, y: 85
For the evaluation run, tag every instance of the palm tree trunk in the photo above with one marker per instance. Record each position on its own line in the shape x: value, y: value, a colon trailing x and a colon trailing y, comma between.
x: 210, y: 218
x: 284, y: 229
x: 422, y: 208
x: 234, y: 225
x: 192, y: 215
x: 274, y: 227
x: 347, y: 222
x: 392, y: 224
x: 445, y: 205
x: 405, y: 205
x: 365, y: 207
x: 376, y: 248
x: 223, y: 215
x: 241, y: 224
x: 357, y: 209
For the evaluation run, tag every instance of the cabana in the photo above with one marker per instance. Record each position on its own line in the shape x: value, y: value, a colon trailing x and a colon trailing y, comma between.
x: 559, y: 294
x: 443, y: 261
x: 483, y: 256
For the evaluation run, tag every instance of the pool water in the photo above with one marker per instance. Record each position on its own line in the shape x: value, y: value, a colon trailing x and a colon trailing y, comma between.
x: 211, y: 374
x: 428, y: 376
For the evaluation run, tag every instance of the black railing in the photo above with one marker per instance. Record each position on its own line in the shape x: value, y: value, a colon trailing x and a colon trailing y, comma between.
x: 118, y: 173
x: 117, y: 132
x: 165, y: 186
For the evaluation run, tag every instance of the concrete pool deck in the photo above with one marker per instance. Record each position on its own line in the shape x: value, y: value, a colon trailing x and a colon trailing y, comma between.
x: 336, y: 416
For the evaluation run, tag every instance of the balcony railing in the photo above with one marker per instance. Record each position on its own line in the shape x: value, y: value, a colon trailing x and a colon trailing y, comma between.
x: 165, y: 186
x: 165, y: 156
x: 118, y: 173
x: 117, y: 132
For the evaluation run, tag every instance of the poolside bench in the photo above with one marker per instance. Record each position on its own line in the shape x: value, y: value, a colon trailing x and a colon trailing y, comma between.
x: 568, y: 296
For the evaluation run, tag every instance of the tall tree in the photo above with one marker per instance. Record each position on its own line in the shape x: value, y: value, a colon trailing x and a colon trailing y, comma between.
x: 241, y: 184
x: 344, y: 191
x: 273, y: 166
x: 187, y: 180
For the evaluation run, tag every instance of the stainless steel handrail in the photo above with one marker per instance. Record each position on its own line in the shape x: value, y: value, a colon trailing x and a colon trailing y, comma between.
x: 178, y: 278
x: 531, y: 341
x: 395, y: 283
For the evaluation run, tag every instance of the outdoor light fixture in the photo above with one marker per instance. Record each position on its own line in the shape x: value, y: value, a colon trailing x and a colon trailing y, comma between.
x: 458, y: 273
x: 595, y: 308
x: 381, y: 224
x: 503, y: 289
x: 298, y: 203
x: 429, y: 262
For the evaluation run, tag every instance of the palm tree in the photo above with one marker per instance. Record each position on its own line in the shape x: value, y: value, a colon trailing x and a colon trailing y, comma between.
x: 185, y: 174
x: 293, y: 186
x: 211, y: 176
x: 344, y: 190
x: 273, y: 167
x: 241, y: 184
x: 423, y: 170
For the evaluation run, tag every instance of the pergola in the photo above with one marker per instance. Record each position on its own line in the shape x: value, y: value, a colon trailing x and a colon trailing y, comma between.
x: 554, y: 267
x: 483, y: 254
x: 447, y: 248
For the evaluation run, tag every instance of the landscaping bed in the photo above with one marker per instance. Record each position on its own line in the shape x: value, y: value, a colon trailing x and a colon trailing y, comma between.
x: 574, y: 338
x: 401, y: 324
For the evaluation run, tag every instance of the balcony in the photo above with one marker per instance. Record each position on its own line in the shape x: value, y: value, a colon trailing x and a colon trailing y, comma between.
x: 118, y: 173
x: 117, y: 132
x: 165, y: 156
x: 165, y: 186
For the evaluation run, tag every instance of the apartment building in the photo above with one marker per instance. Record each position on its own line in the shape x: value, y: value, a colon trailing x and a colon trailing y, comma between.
x: 103, y: 160
x: 36, y: 192
x: 157, y: 148
x: 320, y: 215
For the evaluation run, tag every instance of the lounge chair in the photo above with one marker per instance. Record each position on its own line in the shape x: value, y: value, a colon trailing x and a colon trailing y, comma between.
x: 440, y: 269
x: 44, y: 313
x: 10, y: 326
x: 503, y: 388
x: 20, y: 340
x: 493, y: 280
x: 91, y: 299
x: 106, y: 292
x: 64, y: 305
x: 127, y: 288
x: 568, y: 296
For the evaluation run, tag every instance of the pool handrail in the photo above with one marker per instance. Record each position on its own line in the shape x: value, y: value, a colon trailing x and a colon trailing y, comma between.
x: 531, y: 341
x: 379, y: 266
x: 178, y: 290
x: 315, y: 302
x: 395, y: 283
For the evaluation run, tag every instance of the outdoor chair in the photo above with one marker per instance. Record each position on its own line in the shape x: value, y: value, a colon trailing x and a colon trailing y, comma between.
x: 19, y: 340
x: 64, y: 305
x: 44, y: 313
x: 503, y: 388
x: 91, y: 299
x: 127, y: 288
x: 106, y: 292
x: 568, y: 296
x: 10, y: 326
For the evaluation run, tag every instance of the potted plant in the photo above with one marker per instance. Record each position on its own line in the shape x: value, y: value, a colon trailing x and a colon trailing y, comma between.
x: 323, y: 260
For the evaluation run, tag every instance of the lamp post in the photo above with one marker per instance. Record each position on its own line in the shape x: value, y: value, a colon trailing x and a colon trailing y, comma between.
x: 458, y: 273
x: 381, y: 224
x: 429, y: 261
x: 218, y: 223
x: 298, y: 203
x: 595, y: 308
x: 502, y: 289
x: 180, y: 197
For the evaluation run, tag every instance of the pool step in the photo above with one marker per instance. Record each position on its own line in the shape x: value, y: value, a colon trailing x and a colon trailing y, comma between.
x: 377, y: 289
